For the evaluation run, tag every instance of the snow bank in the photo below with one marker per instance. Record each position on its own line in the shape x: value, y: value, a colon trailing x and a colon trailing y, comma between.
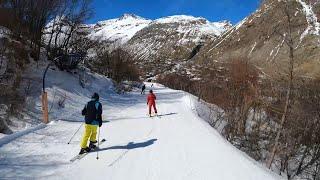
x: 210, y: 113
x: 7, y: 139
x: 61, y: 87
x: 65, y: 86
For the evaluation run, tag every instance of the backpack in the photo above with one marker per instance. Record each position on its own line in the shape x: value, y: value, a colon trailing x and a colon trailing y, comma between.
x: 84, y: 111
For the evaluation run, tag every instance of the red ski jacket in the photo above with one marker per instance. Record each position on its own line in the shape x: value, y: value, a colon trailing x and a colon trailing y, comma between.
x: 151, y: 99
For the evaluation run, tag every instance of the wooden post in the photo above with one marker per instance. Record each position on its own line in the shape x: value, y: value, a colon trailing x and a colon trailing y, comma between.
x: 45, y: 107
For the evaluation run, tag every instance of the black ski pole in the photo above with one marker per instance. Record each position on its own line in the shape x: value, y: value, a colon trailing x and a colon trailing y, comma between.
x: 98, y: 144
x: 75, y: 133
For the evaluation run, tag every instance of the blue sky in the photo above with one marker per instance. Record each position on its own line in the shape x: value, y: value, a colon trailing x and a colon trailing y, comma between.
x: 213, y: 10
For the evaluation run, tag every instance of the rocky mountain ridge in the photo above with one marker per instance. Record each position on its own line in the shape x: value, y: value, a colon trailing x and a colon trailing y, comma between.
x: 262, y: 39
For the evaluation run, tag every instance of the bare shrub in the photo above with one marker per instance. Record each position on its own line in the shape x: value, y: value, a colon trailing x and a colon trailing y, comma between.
x: 62, y: 100
x: 117, y: 65
x: 253, y: 113
x: 241, y: 93
x: 83, y: 79
x: 27, y: 87
x: 65, y: 32
x: 14, y: 57
x: 122, y: 88
x: 4, y: 128
x: 298, y: 153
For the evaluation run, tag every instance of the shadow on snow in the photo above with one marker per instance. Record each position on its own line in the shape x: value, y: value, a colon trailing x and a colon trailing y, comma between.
x: 131, y: 145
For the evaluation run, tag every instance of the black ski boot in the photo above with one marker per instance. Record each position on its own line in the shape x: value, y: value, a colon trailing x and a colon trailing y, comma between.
x: 84, y: 150
x: 92, y: 145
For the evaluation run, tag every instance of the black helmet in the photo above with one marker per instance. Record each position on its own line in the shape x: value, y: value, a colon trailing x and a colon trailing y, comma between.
x: 95, y: 96
x: 151, y: 91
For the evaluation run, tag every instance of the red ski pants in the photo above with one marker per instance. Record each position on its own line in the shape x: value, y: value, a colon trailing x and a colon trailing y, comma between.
x: 152, y: 104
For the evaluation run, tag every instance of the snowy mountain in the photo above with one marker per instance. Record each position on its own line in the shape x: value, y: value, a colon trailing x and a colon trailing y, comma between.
x: 176, y: 145
x: 122, y: 29
x: 165, y: 42
x: 119, y: 30
x: 170, y: 39
x: 162, y: 42
x: 198, y: 24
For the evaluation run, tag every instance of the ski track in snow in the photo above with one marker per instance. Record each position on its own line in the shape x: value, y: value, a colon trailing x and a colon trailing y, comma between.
x: 177, y: 145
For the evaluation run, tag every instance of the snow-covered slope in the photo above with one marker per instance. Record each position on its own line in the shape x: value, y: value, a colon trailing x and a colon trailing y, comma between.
x: 203, y: 26
x: 167, y: 39
x: 160, y: 41
x: 174, y: 34
x: 118, y: 30
x: 170, y: 40
x: 175, y: 145
x: 122, y: 29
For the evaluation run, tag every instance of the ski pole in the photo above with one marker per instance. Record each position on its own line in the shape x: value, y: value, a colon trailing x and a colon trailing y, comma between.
x: 75, y: 133
x: 98, y: 144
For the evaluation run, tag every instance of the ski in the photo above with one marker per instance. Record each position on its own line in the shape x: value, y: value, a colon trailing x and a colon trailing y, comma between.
x: 157, y: 115
x: 154, y: 115
x: 150, y: 116
x: 80, y: 156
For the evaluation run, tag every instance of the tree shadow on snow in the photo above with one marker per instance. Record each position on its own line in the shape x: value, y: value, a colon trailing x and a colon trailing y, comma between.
x: 77, y: 121
x: 138, y: 118
x: 131, y: 145
x: 128, y: 118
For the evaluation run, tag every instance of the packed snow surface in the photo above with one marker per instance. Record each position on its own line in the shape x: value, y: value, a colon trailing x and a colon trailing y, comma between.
x: 176, y: 145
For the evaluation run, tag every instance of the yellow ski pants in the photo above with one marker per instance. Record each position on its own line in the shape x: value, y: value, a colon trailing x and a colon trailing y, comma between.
x: 90, y: 132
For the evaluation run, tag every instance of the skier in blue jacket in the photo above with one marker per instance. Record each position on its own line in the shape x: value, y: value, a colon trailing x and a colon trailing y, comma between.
x: 93, y: 118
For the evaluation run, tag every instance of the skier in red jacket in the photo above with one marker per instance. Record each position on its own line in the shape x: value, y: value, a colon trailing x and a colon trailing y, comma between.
x: 151, y: 102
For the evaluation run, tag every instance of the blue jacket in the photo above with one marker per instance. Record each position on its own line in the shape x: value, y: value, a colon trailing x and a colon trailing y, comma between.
x: 93, y: 112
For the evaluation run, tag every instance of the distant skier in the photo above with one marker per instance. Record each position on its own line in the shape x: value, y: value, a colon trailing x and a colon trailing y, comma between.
x: 152, y: 85
x: 151, y: 102
x: 93, y: 118
x: 143, y: 89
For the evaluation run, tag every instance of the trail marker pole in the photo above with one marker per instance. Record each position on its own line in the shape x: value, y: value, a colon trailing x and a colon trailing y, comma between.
x: 44, y: 97
x: 45, y: 107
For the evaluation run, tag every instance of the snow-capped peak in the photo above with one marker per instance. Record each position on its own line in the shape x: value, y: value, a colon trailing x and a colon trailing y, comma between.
x: 179, y: 19
x: 120, y: 29
x: 202, y: 25
x: 128, y: 15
